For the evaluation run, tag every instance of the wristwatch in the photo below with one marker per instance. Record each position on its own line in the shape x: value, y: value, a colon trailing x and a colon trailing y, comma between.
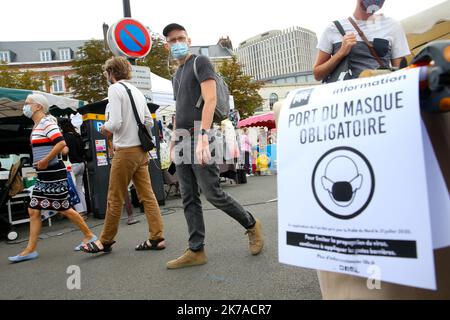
x: 203, y: 132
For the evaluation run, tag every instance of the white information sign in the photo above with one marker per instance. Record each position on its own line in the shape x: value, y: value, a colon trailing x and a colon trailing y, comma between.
x: 142, y: 79
x: 352, y: 182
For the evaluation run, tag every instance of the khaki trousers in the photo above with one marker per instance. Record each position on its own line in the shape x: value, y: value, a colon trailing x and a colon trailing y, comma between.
x: 130, y: 164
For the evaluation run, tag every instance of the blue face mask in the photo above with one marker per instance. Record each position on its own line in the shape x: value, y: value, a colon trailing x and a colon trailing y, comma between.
x: 373, y: 5
x: 179, y: 50
x: 27, y: 112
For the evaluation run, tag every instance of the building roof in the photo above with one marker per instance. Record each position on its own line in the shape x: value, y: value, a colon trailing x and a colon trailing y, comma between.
x: 28, y: 51
x: 215, y: 51
x: 273, y: 33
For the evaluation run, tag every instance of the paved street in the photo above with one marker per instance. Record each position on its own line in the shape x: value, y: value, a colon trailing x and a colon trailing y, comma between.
x: 231, y: 273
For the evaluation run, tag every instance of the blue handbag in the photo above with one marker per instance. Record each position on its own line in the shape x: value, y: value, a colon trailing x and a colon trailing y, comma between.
x: 74, y: 198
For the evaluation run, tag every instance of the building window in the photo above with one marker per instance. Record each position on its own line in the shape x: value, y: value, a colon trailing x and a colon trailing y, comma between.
x: 46, y: 55
x: 204, y: 51
x: 5, y: 56
x: 272, y: 100
x: 65, y: 54
x: 58, y: 85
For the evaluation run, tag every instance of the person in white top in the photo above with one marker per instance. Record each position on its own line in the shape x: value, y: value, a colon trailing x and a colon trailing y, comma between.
x: 130, y: 161
x: 385, y: 34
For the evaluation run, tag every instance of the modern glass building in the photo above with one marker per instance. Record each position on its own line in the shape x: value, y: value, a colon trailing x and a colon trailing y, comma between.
x: 274, y: 55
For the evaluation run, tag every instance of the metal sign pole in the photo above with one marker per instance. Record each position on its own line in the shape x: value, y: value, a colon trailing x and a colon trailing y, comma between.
x: 127, y: 14
x: 126, y: 9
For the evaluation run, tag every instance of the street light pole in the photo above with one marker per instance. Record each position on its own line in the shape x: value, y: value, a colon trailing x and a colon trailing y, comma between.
x: 126, y: 9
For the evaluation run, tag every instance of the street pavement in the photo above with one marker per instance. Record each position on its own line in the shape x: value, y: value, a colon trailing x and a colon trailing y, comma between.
x: 231, y: 272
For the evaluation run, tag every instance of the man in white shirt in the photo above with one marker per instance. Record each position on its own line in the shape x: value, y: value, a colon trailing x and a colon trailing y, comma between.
x: 385, y: 34
x: 130, y: 161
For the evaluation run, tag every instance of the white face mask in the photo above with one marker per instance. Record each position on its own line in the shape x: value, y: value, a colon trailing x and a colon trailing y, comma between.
x: 27, y: 112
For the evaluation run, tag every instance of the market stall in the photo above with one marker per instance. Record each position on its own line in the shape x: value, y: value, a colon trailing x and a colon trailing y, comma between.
x: 264, y: 146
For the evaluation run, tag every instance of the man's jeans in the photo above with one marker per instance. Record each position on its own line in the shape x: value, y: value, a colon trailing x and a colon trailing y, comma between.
x: 193, y: 176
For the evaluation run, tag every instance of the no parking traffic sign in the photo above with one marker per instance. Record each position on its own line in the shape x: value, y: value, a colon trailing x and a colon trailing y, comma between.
x: 129, y: 38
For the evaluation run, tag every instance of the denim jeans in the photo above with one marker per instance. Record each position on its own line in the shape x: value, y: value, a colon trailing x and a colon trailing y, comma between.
x: 193, y: 176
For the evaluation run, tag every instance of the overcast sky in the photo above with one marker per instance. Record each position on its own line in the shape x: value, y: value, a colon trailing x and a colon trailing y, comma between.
x: 205, y: 20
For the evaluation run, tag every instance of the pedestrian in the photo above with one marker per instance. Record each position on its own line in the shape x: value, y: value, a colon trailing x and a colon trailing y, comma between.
x: 246, y: 148
x: 129, y: 209
x: 77, y: 159
x: 199, y: 171
x: 130, y: 161
x: 51, y: 190
x: 341, y: 43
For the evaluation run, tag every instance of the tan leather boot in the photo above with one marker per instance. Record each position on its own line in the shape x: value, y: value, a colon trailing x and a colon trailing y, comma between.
x: 188, y: 259
x: 255, y: 236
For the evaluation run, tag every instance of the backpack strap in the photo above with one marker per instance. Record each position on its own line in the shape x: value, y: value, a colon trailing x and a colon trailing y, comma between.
x: 339, y: 27
x: 200, y: 99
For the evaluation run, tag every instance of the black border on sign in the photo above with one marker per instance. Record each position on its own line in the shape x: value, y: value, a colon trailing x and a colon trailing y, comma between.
x: 357, y: 213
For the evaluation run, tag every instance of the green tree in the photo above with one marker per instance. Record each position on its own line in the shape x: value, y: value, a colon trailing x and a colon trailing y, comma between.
x: 157, y: 59
x: 88, y: 83
x: 11, y: 78
x: 242, y: 88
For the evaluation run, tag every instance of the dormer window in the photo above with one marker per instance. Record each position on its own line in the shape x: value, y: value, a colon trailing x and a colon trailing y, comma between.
x: 46, y: 55
x: 5, y: 56
x: 65, y: 54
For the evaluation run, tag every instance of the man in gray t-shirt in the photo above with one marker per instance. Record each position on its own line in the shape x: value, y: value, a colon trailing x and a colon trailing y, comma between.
x: 187, y: 90
x: 195, y: 124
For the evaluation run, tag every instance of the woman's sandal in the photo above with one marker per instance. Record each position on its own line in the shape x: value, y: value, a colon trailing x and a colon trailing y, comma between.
x: 93, y: 248
x: 150, y: 245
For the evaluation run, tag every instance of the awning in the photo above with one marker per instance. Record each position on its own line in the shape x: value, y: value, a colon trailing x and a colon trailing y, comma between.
x: 263, y: 120
x: 427, y: 26
x: 12, y: 101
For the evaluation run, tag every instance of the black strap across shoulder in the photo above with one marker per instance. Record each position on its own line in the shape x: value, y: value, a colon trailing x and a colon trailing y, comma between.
x: 339, y: 27
x: 138, y: 120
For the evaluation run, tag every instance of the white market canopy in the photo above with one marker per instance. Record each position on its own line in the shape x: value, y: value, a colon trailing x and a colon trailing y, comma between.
x: 12, y: 101
x: 162, y: 94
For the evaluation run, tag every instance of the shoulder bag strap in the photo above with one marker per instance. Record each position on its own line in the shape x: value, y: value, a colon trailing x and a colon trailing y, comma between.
x: 132, y: 104
x: 366, y: 41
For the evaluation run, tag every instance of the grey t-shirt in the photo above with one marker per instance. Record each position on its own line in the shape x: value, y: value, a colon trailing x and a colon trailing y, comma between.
x: 187, y: 91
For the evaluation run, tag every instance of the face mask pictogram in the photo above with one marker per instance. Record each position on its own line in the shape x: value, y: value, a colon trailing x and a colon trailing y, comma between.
x: 343, y: 182
x: 342, y: 185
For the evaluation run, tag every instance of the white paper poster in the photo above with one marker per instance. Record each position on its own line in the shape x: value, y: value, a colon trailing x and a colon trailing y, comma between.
x: 352, y: 184
x: 102, y: 159
x: 439, y: 197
